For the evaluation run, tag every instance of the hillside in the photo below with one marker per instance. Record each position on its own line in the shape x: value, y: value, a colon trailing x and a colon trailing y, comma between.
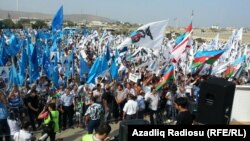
x: 73, y: 17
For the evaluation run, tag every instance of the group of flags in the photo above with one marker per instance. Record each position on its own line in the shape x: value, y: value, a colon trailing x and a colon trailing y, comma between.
x: 30, y: 58
x: 150, y: 35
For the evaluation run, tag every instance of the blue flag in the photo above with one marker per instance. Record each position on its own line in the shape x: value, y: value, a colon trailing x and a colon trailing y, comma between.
x: 94, y: 71
x: 57, y: 21
x: 23, y: 63
x: 99, y: 67
x: 69, y: 64
x: 47, y: 50
x: 180, y: 38
x: 107, y: 54
x: 84, y: 68
x: 34, y: 68
x: 14, y: 46
x: 55, y: 73
x: 13, y: 77
x: 3, y: 54
x: 104, y: 65
x: 47, y: 66
x: 114, y: 70
x: 54, y: 47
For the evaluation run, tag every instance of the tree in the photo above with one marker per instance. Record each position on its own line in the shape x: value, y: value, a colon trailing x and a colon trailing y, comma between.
x: 19, y: 24
x: 70, y: 23
x: 200, y: 40
x: 1, y: 24
x: 39, y: 24
x: 8, y: 23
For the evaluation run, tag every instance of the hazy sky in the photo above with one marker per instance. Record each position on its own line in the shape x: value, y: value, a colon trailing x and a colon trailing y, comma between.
x: 232, y: 13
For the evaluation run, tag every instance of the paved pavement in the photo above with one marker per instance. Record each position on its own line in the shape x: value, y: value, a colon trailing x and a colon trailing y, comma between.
x: 77, y: 133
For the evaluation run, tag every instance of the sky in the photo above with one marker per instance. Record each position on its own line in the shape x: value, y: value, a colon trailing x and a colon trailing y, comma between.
x: 224, y: 13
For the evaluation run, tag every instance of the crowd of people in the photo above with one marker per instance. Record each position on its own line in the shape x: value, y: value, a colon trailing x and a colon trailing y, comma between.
x: 76, y: 104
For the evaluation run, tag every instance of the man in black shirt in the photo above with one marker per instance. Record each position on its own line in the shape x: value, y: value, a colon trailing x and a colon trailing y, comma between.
x: 184, y: 117
x: 107, y: 102
x: 32, y: 104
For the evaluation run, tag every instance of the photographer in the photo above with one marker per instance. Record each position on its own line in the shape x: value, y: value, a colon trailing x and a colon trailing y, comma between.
x: 46, y: 114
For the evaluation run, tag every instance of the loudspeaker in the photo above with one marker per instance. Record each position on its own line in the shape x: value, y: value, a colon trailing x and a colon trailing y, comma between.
x: 123, y: 130
x: 215, y: 101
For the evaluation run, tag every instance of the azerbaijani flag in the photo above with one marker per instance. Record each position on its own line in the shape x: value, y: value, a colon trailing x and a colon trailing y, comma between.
x: 166, y: 78
x: 208, y: 57
x: 189, y: 28
x: 230, y: 71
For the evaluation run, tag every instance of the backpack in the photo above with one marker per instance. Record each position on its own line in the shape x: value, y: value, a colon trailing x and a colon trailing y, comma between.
x: 49, y: 128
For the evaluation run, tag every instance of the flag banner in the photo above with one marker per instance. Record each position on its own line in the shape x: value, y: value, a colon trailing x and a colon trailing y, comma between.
x: 57, y: 21
x: 208, y: 57
x: 218, y: 69
x: 23, y: 63
x: 14, y: 46
x: 99, y: 67
x: 150, y: 35
x: 84, y: 68
x: 180, y: 48
x: 166, y: 78
x: 55, y: 73
x: 3, y: 53
x: 114, y: 70
x: 233, y: 69
x: 230, y: 71
x: 47, y: 66
x: 238, y: 35
x: 189, y: 28
x: 34, y: 69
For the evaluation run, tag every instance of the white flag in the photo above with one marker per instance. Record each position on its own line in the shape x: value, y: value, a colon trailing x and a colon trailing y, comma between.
x: 238, y: 35
x: 149, y: 35
x: 180, y: 48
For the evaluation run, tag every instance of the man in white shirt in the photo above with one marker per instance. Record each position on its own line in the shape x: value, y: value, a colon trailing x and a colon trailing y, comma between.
x: 14, y: 123
x: 129, y: 89
x: 130, y: 108
x: 98, y: 93
x: 182, y: 92
x: 23, y: 134
x: 153, y: 100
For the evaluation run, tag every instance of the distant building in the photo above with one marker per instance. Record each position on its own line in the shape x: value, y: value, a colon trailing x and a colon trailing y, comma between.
x: 96, y: 24
x: 215, y: 27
